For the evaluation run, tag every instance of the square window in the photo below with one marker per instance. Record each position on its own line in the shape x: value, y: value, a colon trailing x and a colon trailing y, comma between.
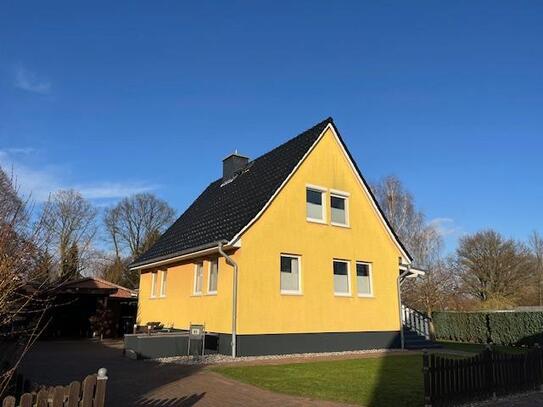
x: 338, y: 210
x: 363, y: 279
x: 213, y: 276
x: 315, y: 205
x: 198, y: 278
x: 342, y: 285
x: 290, y: 274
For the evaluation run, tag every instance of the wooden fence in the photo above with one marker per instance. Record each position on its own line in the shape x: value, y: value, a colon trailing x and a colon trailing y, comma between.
x: 92, y: 393
x: 491, y: 373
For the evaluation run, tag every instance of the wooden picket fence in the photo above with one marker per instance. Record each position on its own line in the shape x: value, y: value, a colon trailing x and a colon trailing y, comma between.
x: 91, y: 393
x: 491, y: 373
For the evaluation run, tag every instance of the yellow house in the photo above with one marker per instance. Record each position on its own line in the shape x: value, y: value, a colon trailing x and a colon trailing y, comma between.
x: 286, y: 253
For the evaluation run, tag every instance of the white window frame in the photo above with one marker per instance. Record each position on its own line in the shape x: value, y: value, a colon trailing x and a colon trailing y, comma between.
x: 299, y: 290
x: 348, y: 262
x: 163, y: 280
x: 194, y: 292
x: 209, y: 291
x: 370, y: 271
x: 324, y: 198
x: 153, y: 284
x: 345, y: 196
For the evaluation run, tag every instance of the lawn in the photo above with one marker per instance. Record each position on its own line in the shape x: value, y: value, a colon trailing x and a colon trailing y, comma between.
x: 374, y: 381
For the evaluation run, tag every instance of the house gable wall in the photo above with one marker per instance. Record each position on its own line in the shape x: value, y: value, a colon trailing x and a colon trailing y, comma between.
x: 283, y: 228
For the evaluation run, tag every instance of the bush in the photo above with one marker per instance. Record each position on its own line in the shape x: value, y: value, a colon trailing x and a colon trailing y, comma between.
x: 461, y: 326
x: 500, y: 328
x: 516, y: 328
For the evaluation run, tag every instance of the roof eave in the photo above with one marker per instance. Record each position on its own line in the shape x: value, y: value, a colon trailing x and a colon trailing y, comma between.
x: 180, y: 255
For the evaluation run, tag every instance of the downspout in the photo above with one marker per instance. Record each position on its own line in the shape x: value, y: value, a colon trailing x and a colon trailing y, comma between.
x: 399, y: 282
x: 232, y: 263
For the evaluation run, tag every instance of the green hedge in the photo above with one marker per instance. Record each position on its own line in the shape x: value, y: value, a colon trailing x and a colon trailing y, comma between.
x: 516, y: 328
x: 500, y: 328
x: 461, y: 326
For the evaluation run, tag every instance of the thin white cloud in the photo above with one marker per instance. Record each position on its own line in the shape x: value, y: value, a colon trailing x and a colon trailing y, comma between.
x: 111, y: 190
x: 38, y: 184
x: 20, y: 150
x: 445, y: 226
x: 33, y: 183
x: 30, y: 82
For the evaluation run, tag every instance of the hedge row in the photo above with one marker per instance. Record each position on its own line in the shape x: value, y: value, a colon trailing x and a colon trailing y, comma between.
x: 500, y: 328
x: 461, y: 326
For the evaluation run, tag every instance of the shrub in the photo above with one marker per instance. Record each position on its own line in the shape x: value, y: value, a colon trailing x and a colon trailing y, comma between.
x: 516, y: 328
x: 500, y: 328
x: 461, y: 326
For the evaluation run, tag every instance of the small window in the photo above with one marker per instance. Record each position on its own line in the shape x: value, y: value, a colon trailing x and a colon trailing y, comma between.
x: 153, y: 284
x: 363, y: 279
x: 315, y: 205
x: 213, y: 276
x: 342, y: 285
x: 290, y: 275
x: 198, y: 278
x: 338, y: 210
x: 164, y: 275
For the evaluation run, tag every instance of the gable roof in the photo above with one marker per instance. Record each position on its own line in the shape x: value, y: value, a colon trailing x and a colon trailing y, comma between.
x: 224, y: 210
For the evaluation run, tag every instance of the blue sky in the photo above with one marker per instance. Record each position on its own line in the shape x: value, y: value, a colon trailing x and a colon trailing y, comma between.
x: 120, y: 97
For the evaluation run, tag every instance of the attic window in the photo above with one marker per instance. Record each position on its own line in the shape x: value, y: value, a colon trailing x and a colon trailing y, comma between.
x: 315, y: 199
x: 339, y: 208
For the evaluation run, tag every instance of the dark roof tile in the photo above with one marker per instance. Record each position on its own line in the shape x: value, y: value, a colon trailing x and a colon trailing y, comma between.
x: 220, y: 212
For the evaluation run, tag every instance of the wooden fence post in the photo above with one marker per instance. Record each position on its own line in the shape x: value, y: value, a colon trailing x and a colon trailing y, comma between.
x: 100, y: 394
x: 427, y: 382
x: 73, y: 394
x: 87, y: 393
x: 539, y: 366
x: 489, y: 370
x: 9, y: 402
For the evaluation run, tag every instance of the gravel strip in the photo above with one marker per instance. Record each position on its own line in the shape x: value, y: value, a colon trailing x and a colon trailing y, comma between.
x: 214, y: 359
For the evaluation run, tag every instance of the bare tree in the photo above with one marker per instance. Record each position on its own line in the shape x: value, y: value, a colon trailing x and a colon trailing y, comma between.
x: 69, y: 221
x: 21, y: 282
x: 399, y: 208
x: 133, y: 226
x: 136, y: 222
x: 492, y: 269
x: 112, y: 224
x: 535, y: 243
x: 433, y: 290
x: 423, y: 241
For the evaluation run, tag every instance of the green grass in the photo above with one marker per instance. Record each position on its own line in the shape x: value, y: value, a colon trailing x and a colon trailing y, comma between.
x: 372, y: 382
x: 477, y: 347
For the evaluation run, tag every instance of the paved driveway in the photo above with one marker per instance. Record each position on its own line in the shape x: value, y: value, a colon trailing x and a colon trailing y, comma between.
x: 139, y: 383
x: 143, y: 383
